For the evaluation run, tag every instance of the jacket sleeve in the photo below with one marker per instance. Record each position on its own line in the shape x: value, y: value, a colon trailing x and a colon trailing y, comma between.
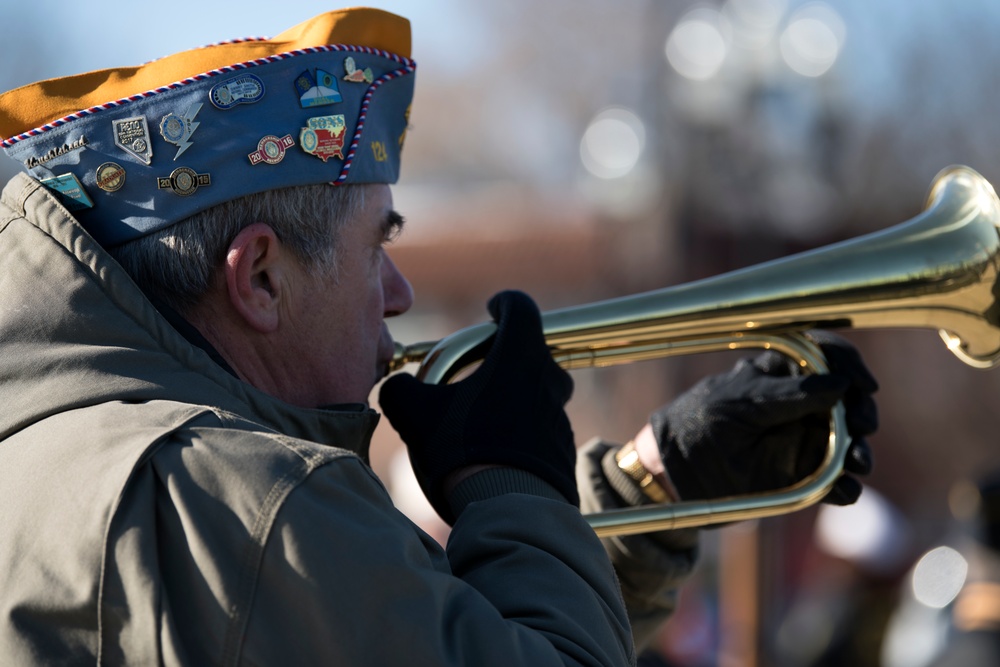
x: 651, y: 567
x: 346, y: 579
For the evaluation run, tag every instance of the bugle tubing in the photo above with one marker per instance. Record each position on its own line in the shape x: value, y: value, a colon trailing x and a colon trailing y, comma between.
x: 938, y: 270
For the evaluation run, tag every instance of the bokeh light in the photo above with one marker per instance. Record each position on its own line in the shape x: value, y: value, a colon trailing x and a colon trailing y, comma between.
x: 755, y: 21
x: 938, y: 577
x: 612, y: 144
x: 812, y: 40
x: 696, y: 48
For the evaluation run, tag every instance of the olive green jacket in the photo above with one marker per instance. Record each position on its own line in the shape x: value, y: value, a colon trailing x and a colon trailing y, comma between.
x: 156, y: 510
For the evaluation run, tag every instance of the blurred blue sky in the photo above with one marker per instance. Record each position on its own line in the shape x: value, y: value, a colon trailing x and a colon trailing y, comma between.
x: 79, y: 37
x: 450, y: 36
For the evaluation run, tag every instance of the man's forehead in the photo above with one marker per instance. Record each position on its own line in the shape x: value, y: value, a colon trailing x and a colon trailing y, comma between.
x: 372, y: 205
x: 368, y: 195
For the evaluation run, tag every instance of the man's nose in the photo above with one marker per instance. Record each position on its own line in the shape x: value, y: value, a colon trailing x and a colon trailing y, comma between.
x: 396, y: 289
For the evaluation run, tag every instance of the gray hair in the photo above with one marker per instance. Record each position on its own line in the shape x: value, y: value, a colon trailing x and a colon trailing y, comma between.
x: 177, y: 264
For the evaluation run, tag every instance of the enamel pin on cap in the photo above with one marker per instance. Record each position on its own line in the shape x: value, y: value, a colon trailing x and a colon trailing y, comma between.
x: 183, y: 181
x: 356, y: 75
x: 110, y: 177
x: 271, y: 149
x: 71, y: 192
x: 323, y: 137
x: 243, y: 89
x: 132, y: 136
x: 317, y: 91
x: 177, y: 129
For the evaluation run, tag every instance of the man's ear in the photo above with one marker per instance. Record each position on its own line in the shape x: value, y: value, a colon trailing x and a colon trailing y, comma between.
x: 253, y: 272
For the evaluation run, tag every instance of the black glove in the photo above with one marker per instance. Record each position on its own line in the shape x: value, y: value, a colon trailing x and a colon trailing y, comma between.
x: 762, y: 426
x: 509, y: 412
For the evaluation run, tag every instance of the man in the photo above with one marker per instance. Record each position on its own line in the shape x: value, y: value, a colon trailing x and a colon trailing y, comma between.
x: 186, y: 426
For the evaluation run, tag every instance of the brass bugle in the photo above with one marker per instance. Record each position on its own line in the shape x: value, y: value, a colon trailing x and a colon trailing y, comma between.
x: 938, y: 270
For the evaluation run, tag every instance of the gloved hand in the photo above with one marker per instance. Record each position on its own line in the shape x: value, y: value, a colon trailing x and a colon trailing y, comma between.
x: 509, y: 412
x: 762, y: 426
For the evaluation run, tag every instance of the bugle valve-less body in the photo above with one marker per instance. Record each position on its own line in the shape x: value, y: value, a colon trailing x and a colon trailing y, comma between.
x: 938, y: 270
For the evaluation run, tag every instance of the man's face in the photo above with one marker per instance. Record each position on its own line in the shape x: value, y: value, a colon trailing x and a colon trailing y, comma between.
x: 344, y: 344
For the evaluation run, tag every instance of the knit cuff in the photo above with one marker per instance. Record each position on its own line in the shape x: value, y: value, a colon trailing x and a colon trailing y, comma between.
x: 497, y: 481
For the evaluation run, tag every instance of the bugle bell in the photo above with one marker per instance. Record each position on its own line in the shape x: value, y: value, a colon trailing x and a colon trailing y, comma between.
x: 938, y: 270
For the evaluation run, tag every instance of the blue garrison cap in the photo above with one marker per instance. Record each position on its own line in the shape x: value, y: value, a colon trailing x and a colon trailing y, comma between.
x: 133, y: 150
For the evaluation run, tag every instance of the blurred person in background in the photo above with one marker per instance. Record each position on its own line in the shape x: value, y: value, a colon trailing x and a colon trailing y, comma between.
x: 194, y: 288
x: 974, y: 637
x: 840, y: 612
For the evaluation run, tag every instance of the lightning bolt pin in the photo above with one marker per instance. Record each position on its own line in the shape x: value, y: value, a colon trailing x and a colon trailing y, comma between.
x: 177, y: 129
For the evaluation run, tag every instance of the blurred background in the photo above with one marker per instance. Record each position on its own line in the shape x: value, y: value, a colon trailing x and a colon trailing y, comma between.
x: 587, y: 149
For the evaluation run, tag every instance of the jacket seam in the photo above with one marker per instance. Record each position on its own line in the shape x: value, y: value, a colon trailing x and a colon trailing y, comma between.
x: 260, y: 534
x: 19, y: 212
x: 186, y: 417
x: 239, y: 614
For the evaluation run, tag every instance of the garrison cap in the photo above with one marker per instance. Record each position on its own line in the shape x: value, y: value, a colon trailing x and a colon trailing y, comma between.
x: 133, y: 150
